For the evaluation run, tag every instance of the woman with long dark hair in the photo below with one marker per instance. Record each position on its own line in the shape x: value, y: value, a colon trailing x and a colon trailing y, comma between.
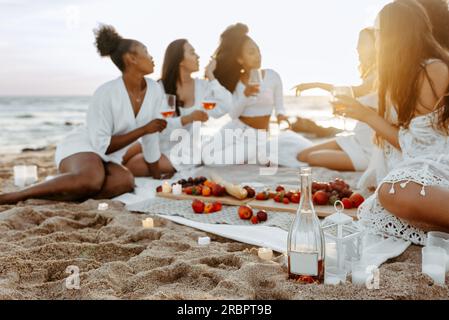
x: 253, y: 103
x: 180, y: 62
x: 414, y: 79
x: 120, y: 112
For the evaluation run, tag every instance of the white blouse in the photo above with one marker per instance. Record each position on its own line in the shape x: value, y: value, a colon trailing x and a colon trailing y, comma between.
x: 110, y: 113
x: 270, y: 97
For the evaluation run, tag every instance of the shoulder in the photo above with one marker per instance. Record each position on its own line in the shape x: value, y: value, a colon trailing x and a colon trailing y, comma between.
x: 273, y: 75
x: 108, y: 87
x: 438, y: 72
x: 155, y: 87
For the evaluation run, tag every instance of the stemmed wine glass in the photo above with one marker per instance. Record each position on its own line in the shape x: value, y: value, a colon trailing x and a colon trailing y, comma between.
x: 169, y: 106
x: 209, y: 102
x: 255, y: 78
x: 342, y: 91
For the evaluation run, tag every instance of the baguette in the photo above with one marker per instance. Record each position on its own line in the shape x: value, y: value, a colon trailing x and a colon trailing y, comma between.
x: 234, y: 190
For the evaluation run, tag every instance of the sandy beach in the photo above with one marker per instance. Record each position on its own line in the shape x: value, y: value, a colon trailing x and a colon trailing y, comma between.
x: 118, y: 259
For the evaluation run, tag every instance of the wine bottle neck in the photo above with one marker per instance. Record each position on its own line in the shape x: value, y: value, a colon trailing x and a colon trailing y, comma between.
x: 306, y: 203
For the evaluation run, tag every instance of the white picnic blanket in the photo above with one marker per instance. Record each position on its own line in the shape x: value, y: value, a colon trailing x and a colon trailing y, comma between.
x: 376, y: 250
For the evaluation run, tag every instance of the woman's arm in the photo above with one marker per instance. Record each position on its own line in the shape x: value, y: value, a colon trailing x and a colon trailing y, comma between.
x: 312, y: 85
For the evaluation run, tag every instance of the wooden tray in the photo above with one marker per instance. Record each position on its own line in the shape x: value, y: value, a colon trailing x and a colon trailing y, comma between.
x: 321, y: 211
x: 227, y: 200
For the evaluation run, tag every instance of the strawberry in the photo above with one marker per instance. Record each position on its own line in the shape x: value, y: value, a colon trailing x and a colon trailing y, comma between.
x: 262, y: 215
x: 262, y: 196
x: 295, y: 197
x: 198, y: 206
x: 188, y: 190
x: 254, y: 220
x: 320, y: 198
x: 356, y: 200
x: 245, y: 212
x: 217, y: 206
x: 209, y: 208
x: 280, y: 188
x: 218, y: 191
x: 347, y: 204
x: 285, y: 200
x: 159, y: 189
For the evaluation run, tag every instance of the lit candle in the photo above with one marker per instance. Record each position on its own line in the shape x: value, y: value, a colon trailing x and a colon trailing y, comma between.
x: 203, y: 241
x: 166, y: 188
x: 103, y: 206
x: 148, y: 223
x: 265, y: 253
x: 177, y: 189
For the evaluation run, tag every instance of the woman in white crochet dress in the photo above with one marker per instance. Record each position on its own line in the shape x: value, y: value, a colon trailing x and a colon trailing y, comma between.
x: 414, y: 78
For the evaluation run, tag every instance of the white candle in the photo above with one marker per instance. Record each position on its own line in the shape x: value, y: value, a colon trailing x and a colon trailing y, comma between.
x: 31, y: 174
x: 436, y: 272
x: 265, y: 253
x: 177, y: 189
x: 148, y: 223
x: 103, y: 206
x: 166, y: 188
x: 20, y: 176
x: 203, y: 241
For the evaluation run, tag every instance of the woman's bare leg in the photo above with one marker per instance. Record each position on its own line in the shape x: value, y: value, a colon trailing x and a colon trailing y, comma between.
x: 139, y: 167
x: 118, y: 180
x: 328, y: 155
x: 135, y: 149
x: 428, y: 212
x: 81, y: 176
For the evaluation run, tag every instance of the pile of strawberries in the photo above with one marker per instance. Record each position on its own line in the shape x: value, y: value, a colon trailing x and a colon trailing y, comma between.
x: 199, y: 207
x: 246, y: 213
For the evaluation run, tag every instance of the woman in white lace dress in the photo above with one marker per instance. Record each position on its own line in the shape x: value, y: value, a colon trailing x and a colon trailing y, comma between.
x: 414, y: 78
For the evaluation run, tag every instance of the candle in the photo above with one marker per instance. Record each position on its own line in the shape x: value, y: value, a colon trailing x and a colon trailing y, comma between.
x: 265, y: 253
x: 177, y: 189
x: 148, y: 223
x: 203, y: 241
x: 166, y: 188
x: 31, y: 174
x: 434, y: 263
x: 20, y: 176
x: 103, y: 206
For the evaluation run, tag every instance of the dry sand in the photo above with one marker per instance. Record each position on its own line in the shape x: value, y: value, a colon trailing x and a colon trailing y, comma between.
x: 120, y: 260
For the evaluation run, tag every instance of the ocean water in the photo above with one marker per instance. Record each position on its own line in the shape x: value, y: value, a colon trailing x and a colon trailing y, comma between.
x: 36, y: 122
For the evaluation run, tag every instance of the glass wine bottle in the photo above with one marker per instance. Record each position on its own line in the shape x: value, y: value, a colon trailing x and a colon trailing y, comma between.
x: 306, y: 243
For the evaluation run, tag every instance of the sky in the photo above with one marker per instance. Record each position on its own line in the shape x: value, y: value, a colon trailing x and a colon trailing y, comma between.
x: 46, y: 46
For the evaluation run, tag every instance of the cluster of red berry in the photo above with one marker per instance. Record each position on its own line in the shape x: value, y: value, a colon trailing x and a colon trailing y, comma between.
x: 246, y: 213
x: 327, y: 193
x: 199, y: 206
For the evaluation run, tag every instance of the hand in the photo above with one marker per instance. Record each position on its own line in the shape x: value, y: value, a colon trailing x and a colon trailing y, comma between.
x: 282, y: 118
x: 198, y: 115
x: 303, y: 87
x: 156, y: 125
x: 210, y: 68
x: 351, y: 108
x: 251, y: 90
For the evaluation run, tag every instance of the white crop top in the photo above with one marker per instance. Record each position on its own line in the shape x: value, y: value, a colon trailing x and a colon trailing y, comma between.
x: 270, y: 97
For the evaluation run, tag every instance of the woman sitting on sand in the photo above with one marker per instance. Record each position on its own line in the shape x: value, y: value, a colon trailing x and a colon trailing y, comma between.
x: 253, y: 104
x: 349, y: 153
x: 121, y: 111
x: 180, y: 62
x: 414, y: 77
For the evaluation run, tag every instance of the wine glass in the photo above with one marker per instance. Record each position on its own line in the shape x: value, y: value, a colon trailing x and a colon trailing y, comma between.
x: 169, y: 106
x: 342, y: 91
x: 209, y: 102
x: 255, y: 77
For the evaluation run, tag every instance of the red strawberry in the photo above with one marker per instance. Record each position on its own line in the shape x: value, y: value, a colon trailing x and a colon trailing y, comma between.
x: 262, y: 215
x: 285, y: 200
x: 159, y: 189
x: 198, y: 206
x: 347, y: 204
x: 217, y: 206
x: 280, y: 188
x: 295, y: 197
x: 245, y: 212
x: 262, y: 196
x: 188, y: 190
x: 254, y: 220
x: 277, y: 198
x: 320, y: 198
x: 356, y: 200
x: 218, y: 191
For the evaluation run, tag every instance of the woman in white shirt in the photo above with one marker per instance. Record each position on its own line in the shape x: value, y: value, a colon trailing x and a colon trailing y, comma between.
x: 180, y: 62
x: 121, y: 111
x: 253, y: 105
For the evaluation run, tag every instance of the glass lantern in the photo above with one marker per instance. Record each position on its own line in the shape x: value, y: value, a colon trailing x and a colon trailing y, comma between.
x: 343, y: 238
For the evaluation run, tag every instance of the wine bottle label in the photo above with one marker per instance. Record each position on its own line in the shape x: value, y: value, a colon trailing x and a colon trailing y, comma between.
x: 304, y: 263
